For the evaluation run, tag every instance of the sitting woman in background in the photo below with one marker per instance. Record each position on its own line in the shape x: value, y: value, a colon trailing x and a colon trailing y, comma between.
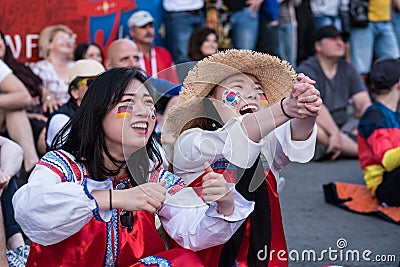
x: 56, y: 42
x: 202, y: 43
x: 34, y: 85
x: 14, y: 99
x: 89, y: 50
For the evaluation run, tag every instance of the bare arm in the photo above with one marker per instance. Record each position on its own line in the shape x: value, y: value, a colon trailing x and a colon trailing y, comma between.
x: 14, y: 94
x: 304, y: 104
x: 361, y: 102
x: 3, y: 256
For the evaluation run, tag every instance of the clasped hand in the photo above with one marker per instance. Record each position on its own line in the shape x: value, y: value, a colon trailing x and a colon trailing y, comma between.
x: 304, y: 100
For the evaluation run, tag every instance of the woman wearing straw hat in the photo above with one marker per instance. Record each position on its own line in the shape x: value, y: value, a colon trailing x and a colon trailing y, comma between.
x: 220, y: 119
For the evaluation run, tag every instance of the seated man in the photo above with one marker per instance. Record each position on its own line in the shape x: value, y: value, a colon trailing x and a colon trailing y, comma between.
x: 340, y: 85
x: 379, y: 133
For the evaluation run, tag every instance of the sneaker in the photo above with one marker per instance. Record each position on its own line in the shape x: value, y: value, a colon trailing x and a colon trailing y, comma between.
x: 14, y: 260
x: 23, y: 252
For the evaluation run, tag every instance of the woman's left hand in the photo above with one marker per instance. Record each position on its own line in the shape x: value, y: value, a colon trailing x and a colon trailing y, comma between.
x: 215, y: 188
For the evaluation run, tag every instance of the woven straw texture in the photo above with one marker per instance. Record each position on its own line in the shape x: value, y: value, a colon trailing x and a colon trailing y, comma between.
x: 276, y: 78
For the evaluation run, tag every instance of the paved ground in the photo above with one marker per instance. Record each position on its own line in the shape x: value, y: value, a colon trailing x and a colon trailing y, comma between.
x: 312, y: 224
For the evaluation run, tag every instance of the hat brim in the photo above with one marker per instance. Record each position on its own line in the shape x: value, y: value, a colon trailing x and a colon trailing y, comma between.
x: 275, y: 76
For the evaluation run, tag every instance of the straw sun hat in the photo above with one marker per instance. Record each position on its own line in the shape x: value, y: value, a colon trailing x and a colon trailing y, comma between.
x: 276, y: 78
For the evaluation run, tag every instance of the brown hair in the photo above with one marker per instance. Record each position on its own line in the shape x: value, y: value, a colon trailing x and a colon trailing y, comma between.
x: 197, y: 38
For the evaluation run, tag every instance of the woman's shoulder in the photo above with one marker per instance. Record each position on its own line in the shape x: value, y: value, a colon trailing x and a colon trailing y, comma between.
x: 64, y: 164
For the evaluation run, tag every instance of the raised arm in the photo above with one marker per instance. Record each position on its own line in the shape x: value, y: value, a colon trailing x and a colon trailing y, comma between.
x: 302, y: 106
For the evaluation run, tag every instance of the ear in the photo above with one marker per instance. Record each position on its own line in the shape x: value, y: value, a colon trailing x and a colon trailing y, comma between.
x: 317, y: 46
x: 132, y: 33
x: 107, y: 64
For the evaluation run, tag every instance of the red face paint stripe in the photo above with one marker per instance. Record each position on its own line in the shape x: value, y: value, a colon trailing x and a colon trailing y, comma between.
x: 122, y: 109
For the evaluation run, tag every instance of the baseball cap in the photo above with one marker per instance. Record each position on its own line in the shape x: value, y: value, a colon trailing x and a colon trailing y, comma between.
x: 385, y: 73
x: 327, y: 32
x: 85, y: 68
x: 140, y: 18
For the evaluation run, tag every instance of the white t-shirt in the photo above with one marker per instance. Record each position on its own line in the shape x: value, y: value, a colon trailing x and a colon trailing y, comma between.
x: 4, y: 70
x: 182, y: 5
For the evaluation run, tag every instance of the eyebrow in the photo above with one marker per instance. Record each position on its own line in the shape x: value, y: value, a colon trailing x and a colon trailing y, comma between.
x: 238, y: 81
x: 134, y: 94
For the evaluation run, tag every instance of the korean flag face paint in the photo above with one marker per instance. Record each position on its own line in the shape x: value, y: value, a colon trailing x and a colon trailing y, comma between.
x: 124, y: 112
x: 231, y: 98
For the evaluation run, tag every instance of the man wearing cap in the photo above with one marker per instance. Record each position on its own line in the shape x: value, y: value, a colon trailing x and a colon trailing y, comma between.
x: 83, y: 71
x: 340, y: 85
x: 379, y: 133
x: 155, y: 60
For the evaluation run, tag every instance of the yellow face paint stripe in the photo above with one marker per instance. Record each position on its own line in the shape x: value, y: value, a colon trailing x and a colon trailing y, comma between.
x: 124, y: 112
x: 124, y: 115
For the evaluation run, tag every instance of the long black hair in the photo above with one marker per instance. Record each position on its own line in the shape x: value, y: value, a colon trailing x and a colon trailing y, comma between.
x: 83, y: 136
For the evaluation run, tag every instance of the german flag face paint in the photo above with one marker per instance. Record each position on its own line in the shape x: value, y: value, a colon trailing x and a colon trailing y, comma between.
x: 263, y: 99
x: 124, y: 112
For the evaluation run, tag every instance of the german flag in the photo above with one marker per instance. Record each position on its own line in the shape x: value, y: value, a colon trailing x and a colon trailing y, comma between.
x: 124, y: 112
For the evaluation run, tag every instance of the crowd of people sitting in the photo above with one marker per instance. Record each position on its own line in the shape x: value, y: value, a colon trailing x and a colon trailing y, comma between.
x: 39, y: 100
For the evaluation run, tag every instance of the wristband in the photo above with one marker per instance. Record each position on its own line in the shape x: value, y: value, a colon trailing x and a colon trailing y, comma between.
x: 283, y: 111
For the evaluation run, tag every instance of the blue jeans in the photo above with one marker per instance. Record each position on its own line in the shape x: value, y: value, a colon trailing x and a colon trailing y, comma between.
x: 396, y: 25
x: 286, y: 44
x: 321, y: 21
x: 179, y: 26
x: 378, y: 39
x: 244, y: 29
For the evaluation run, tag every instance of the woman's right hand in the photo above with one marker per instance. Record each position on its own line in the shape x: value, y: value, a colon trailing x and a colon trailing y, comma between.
x: 148, y: 197
x: 49, y: 104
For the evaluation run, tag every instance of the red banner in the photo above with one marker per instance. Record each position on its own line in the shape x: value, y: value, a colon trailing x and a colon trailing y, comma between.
x: 101, y: 21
